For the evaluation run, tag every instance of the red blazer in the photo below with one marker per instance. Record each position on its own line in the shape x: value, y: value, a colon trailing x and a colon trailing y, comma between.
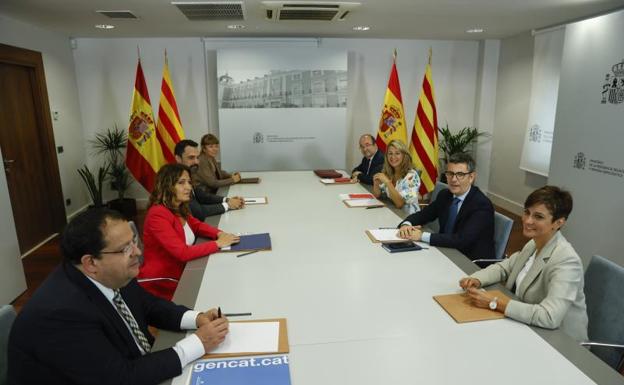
x: 165, y: 249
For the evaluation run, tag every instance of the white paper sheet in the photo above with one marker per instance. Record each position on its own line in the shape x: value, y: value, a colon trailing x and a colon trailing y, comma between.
x: 386, y: 235
x: 260, y: 337
x: 327, y: 181
x: 256, y: 201
x: 363, y: 202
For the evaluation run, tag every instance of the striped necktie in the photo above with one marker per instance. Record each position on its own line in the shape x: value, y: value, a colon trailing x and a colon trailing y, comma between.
x: 123, y: 310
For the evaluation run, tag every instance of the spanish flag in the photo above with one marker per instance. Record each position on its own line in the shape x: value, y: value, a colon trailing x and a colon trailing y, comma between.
x: 144, y: 156
x: 169, y: 129
x: 392, y: 122
x: 424, y: 143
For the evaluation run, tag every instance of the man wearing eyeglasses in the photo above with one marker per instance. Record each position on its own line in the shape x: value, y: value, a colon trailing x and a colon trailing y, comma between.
x: 372, y: 162
x: 87, y: 322
x: 464, y: 213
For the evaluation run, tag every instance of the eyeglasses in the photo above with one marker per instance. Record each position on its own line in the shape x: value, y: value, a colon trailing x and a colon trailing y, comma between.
x: 127, y: 249
x: 459, y: 175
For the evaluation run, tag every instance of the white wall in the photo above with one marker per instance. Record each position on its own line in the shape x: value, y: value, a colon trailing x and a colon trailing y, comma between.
x: 508, y: 185
x: 454, y: 73
x: 63, y: 96
x: 106, y: 70
x: 586, y: 126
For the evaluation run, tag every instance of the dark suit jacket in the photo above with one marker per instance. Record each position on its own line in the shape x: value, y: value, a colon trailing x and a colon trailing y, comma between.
x: 69, y: 333
x: 367, y: 177
x: 473, y: 234
x: 204, y: 204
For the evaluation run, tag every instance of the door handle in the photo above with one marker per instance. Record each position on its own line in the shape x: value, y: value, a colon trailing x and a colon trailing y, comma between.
x: 7, y: 164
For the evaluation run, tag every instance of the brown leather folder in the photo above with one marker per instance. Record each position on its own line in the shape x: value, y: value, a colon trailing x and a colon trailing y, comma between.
x: 328, y: 174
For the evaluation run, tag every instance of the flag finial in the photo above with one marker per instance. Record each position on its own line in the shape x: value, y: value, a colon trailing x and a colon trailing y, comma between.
x: 394, y: 54
x: 138, y: 53
x: 430, y: 53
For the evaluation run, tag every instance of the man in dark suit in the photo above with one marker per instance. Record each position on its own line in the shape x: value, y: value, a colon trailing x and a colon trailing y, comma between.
x: 372, y: 163
x: 87, y: 323
x: 465, y: 214
x: 203, y: 204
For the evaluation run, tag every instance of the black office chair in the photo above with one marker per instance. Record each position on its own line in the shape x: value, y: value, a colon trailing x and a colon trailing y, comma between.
x: 7, y: 316
x: 604, y: 285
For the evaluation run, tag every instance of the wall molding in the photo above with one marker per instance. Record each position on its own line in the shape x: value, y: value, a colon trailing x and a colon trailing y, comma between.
x: 507, y: 204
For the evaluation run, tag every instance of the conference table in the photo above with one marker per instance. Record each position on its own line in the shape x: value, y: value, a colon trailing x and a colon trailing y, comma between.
x: 358, y: 315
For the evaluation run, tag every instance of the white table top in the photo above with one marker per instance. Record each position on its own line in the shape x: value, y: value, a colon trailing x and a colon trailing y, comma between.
x: 357, y: 314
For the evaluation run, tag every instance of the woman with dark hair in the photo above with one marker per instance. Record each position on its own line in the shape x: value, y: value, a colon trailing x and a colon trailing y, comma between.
x: 209, y: 176
x: 546, y: 275
x: 398, y: 180
x: 169, y: 232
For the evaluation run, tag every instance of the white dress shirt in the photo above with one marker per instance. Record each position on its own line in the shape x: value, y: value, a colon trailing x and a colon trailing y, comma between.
x: 188, y: 349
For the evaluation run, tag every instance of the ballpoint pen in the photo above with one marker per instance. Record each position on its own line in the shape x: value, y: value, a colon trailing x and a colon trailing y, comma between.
x: 219, y: 312
x: 247, y: 253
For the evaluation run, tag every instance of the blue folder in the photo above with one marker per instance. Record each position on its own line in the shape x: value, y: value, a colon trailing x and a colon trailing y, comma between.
x: 252, y: 242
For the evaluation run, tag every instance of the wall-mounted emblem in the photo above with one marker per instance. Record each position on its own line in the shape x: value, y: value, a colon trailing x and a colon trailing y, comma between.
x: 579, y: 161
x: 258, y: 138
x: 613, y: 87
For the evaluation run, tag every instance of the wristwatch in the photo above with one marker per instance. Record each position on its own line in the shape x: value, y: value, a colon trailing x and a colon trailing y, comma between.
x: 494, y: 303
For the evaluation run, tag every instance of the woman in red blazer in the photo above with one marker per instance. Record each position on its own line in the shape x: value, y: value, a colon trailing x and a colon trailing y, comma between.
x: 169, y: 232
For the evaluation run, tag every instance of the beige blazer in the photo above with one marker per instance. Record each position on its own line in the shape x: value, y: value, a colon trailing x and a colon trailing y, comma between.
x: 209, y: 176
x: 551, y: 294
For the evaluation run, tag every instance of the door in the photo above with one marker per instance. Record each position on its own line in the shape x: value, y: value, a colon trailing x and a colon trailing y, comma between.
x: 28, y: 149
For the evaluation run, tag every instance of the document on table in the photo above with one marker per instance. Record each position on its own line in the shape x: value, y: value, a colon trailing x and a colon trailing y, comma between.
x: 250, y: 337
x: 363, y: 203
x: 384, y: 235
x: 256, y: 201
x: 337, y: 181
x: 344, y: 197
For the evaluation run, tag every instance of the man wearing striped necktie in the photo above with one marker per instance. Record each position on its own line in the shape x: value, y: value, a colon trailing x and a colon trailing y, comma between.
x: 87, y: 323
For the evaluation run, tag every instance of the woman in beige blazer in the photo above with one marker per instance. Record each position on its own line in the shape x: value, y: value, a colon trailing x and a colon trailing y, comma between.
x: 546, y: 275
x: 209, y: 176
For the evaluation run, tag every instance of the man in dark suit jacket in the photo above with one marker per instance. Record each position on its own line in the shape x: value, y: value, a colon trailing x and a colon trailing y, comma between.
x: 472, y: 229
x: 87, y: 323
x: 203, y: 204
x: 372, y: 163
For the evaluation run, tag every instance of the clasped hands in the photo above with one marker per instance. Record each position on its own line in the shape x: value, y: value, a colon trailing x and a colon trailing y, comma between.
x: 381, y: 178
x: 413, y: 233
x: 235, y: 203
x: 236, y: 177
x: 479, y: 297
x: 211, y: 329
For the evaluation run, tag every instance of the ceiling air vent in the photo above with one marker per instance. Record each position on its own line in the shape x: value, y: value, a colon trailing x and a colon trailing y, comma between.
x: 211, y: 10
x: 306, y: 10
x: 118, y: 14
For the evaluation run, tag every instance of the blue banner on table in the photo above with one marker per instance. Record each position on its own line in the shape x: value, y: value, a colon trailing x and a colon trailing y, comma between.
x: 273, y: 370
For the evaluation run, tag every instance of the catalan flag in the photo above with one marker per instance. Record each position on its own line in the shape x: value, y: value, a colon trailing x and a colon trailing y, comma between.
x: 144, y: 156
x: 392, y: 122
x: 169, y: 129
x: 424, y: 142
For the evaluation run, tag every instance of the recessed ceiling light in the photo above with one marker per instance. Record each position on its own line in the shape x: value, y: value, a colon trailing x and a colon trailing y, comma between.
x: 474, y: 30
x: 361, y: 28
x: 236, y: 26
x: 104, y: 26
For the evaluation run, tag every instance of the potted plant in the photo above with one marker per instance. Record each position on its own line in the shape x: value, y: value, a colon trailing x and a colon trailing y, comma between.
x: 94, y: 187
x: 111, y: 144
x: 462, y: 141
